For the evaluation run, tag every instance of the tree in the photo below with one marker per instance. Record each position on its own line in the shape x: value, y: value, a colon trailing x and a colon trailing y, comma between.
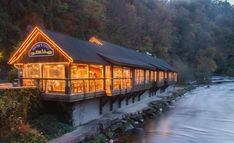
x: 197, y: 36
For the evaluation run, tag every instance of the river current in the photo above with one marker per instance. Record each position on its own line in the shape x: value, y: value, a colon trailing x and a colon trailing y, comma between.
x: 204, y: 115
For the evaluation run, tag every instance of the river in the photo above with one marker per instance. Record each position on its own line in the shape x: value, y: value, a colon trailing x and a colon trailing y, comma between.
x: 204, y: 115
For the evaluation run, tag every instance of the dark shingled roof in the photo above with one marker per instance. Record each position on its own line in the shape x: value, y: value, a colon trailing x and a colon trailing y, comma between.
x: 79, y: 50
x: 87, y: 52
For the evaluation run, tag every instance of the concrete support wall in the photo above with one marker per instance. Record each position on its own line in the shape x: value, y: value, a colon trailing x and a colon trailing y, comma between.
x: 85, y: 111
x: 88, y: 110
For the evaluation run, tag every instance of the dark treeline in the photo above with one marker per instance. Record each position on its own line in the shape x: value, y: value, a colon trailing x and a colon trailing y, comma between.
x: 196, y: 36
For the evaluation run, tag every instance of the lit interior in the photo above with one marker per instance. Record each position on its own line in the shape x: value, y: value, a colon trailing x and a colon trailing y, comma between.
x: 155, y: 76
x: 147, y: 76
x: 161, y: 76
x: 54, y: 77
x: 122, y: 77
x: 139, y: 76
x: 87, y: 78
x: 54, y: 72
x: 95, y: 41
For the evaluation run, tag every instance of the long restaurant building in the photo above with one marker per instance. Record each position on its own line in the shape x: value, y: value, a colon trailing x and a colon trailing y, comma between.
x: 71, y: 70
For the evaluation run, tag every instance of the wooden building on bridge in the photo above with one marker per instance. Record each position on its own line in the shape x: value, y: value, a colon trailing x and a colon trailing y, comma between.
x: 71, y: 70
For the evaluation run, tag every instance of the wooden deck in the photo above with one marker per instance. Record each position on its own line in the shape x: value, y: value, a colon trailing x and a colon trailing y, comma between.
x: 71, y: 97
x: 82, y: 96
x: 62, y: 97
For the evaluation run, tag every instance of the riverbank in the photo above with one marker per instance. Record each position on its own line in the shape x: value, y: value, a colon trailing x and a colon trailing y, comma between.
x: 112, y: 125
x: 202, y: 115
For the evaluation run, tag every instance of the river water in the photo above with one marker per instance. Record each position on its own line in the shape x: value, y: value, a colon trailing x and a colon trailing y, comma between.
x: 204, y: 115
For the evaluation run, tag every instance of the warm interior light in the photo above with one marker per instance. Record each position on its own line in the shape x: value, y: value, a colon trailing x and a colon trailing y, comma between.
x: 1, y: 55
x: 36, y: 31
x: 95, y: 41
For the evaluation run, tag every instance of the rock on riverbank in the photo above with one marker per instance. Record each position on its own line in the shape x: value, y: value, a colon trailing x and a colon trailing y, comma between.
x: 107, y: 130
x: 111, y: 126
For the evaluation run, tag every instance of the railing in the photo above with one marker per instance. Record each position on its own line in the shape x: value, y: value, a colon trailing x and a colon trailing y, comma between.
x: 48, y: 85
x: 121, y: 86
x: 84, y: 85
x: 87, y: 85
x: 122, y: 83
x: 61, y: 86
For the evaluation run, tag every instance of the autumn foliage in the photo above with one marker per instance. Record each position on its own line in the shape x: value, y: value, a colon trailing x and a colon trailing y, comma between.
x: 196, y: 36
x: 16, y: 107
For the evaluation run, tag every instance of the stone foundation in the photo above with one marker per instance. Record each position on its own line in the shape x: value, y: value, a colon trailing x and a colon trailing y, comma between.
x: 88, y: 110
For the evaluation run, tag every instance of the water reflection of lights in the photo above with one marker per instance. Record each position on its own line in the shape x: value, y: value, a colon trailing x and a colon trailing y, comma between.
x: 165, y: 127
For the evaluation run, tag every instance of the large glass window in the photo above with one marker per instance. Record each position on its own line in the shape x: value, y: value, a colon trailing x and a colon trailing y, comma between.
x: 96, y: 78
x: 79, y: 71
x: 155, y: 76
x: 139, y: 76
x: 122, y: 77
x: 165, y: 74
x: 174, y: 76
x: 54, y: 73
x: 118, y: 74
x: 147, y: 76
x: 152, y: 75
x: 87, y: 78
x: 170, y: 76
x: 31, y: 71
x: 161, y: 75
x: 108, y: 77
x: 127, y: 78
x: 79, y: 75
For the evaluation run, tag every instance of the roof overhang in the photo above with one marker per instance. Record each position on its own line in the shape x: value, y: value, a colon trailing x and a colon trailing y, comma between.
x: 34, y: 33
x: 124, y: 62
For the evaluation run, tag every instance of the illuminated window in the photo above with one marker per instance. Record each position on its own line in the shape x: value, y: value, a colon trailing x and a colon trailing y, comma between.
x: 152, y: 75
x: 79, y: 71
x: 122, y: 77
x: 31, y: 71
x: 87, y: 78
x: 139, y: 76
x: 175, y: 77
x: 147, y: 76
x: 96, y: 78
x: 161, y: 76
x: 127, y: 78
x: 55, y: 72
x: 155, y: 75
x: 80, y: 82
x: 108, y: 78
x: 165, y: 73
x: 95, y: 41
x: 170, y: 76
x: 118, y: 74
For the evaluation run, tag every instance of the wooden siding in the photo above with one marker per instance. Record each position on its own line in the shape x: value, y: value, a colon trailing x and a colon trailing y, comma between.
x: 57, y: 57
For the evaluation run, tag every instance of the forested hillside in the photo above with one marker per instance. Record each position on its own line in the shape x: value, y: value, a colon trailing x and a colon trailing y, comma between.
x: 196, y: 36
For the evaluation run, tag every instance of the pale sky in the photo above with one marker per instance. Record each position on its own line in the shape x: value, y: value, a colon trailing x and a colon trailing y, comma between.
x: 231, y: 1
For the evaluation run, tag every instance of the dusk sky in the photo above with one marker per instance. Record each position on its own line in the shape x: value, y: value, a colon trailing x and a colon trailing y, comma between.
x: 231, y: 1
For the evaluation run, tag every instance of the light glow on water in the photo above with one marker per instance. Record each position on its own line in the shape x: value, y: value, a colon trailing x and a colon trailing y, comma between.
x: 203, y: 115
